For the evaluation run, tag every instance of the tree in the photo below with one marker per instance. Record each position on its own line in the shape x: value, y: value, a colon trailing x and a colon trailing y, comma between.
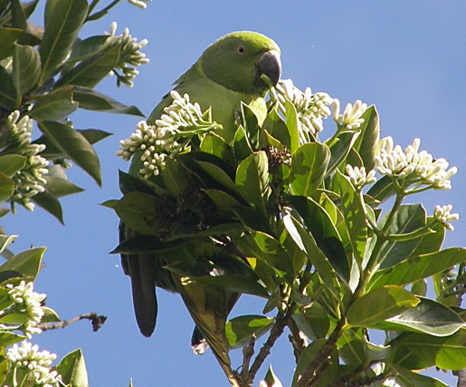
x: 309, y: 228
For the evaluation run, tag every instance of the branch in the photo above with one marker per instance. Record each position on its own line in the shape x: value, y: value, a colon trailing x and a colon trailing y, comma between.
x: 96, y: 320
x: 296, y: 340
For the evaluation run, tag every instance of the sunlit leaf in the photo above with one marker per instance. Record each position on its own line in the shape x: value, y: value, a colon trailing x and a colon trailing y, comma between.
x: 72, y: 369
x: 27, y: 263
x: 138, y: 211
x: 380, y: 304
x: 10, y: 164
x: 367, y: 142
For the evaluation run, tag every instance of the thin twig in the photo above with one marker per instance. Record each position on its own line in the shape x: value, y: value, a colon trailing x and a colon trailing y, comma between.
x: 96, y: 320
x: 295, y: 338
x: 248, y: 352
x: 275, y: 333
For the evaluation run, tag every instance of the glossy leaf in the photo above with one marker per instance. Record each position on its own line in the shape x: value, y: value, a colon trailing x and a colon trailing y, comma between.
x: 408, y: 378
x: 354, y: 218
x: 340, y: 146
x: 60, y: 187
x: 10, y: 36
x: 91, y: 71
x: 10, y: 164
x: 307, y: 356
x: 408, y: 218
x: 5, y: 240
x: 74, y: 145
x: 49, y: 203
x: 7, y: 187
x: 26, y: 68
x: 252, y: 179
x: 380, y: 304
x: 26, y: 263
x: 9, y: 96
x: 138, y: 211
x: 241, y: 146
x: 72, y: 368
x: 54, y: 106
x: 419, y: 351
x: 382, y: 190
x: 367, y: 142
x: 251, y: 125
x: 308, y: 167
x: 306, y: 243
x: 239, y: 330
x: 292, y: 124
x: 418, y: 267
x: 277, y: 128
x: 219, y: 175
x: 324, y: 232
x: 93, y: 100
x: 174, y: 177
x: 428, y: 317
x: 51, y: 151
x: 313, y: 321
x: 224, y: 202
x: 353, y: 349
x: 63, y: 21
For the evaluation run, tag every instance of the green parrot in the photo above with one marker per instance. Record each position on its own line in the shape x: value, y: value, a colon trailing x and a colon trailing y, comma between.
x: 227, y: 73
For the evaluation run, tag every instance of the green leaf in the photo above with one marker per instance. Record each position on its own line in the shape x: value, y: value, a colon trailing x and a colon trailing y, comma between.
x: 49, y: 203
x: 9, y: 96
x: 407, y: 378
x: 18, y: 18
x: 379, y: 305
x: 129, y: 183
x: 60, y: 187
x: 340, y: 145
x: 306, y: 243
x: 26, y: 263
x: 7, y: 187
x: 271, y: 379
x: 26, y: 68
x: 313, y: 321
x: 84, y: 49
x: 54, y: 106
x: 10, y: 164
x: 174, y: 177
x: 219, y: 175
x: 408, y: 218
x: 291, y: 117
x: 252, y: 179
x: 90, y: 99
x: 91, y: 71
x: 63, y: 21
x: 138, y: 211
x: 367, y: 142
x: 5, y: 240
x: 429, y: 316
x: 277, y: 128
x: 148, y: 244
x: 8, y: 338
x: 239, y: 330
x: 72, y: 368
x: 10, y: 36
x: 223, y: 201
x: 51, y: 151
x: 49, y: 315
x: 308, y: 166
x: 382, y: 190
x: 353, y: 210
x: 419, y: 351
x: 241, y: 146
x: 251, y: 125
x: 74, y: 145
x: 353, y: 348
x: 418, y: 267
x: 319, y: 223
x: 216, y: 145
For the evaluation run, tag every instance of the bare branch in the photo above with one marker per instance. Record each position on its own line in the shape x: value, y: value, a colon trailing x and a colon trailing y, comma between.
x: 96, y: 320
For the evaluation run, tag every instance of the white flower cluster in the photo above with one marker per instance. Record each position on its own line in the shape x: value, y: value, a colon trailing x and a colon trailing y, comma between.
x: 351, y: 117
x: 311, y: 108
x: 29, y: 181
x: 140, y: 4
x: 28, y: 356
x: 443, y: 215
x: 419, y: 168
x: 130, y: 55
x: 180, y: 121
x: 28, y: 302
x: 359, y: 177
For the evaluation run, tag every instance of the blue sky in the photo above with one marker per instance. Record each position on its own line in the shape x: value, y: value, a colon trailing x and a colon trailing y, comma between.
x: 406, y: 57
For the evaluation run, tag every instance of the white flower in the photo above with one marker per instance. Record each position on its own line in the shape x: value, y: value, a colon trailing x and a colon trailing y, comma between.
x: 29, y: 181
x: 130, y: 55
x: 169, y: 136
x: 29, y: 302
x: 311, y: 108
x: 419, y: 167
x: 358, y: 176
x: 351, y: 117
x: 140, y: 4
x: 28, y: 357
x: 443, y: 215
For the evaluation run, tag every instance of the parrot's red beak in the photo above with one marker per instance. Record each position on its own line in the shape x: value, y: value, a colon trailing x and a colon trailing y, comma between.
x: 268, y: 64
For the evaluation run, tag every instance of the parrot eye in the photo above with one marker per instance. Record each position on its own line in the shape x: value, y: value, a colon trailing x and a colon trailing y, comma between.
x: 240, y: 50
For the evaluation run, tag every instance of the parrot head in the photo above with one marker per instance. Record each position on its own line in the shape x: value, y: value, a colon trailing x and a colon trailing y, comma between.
x: 238, y: 60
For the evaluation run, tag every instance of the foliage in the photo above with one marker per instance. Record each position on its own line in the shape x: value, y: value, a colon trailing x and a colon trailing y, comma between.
x: 332, y: 251
x: 46, y: 74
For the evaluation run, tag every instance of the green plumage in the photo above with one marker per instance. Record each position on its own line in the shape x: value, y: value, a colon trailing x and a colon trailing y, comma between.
x: 228, y: 73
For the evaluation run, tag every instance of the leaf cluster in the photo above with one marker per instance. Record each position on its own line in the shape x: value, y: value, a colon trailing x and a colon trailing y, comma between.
x: 330, y: 260
x: 47, y: 73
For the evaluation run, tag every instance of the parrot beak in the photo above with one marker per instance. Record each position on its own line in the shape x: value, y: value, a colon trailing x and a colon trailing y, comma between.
x: 270, y: 65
